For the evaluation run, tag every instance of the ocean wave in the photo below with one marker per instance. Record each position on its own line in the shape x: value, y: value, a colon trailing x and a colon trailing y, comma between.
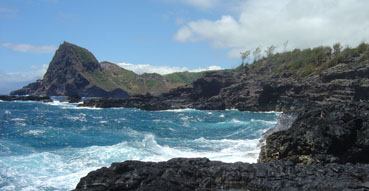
x: 66, y: 105
x: 264, y: 121
x: 62, y: 169
x: 179, y: 110
x: 18, y: 119
x: 34, y: 132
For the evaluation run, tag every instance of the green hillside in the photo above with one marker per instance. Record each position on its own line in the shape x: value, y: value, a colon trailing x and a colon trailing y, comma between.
x: 113, y: 76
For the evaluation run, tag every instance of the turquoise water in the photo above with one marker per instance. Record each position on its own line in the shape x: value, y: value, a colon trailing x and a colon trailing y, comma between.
x: 50, y: 146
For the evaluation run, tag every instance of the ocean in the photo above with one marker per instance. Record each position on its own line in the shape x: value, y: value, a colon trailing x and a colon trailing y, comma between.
x: 50, y: 146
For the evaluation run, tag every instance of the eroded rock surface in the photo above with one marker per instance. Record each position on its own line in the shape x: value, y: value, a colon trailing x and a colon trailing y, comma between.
x: 202, y: 174
x: 337, y: 133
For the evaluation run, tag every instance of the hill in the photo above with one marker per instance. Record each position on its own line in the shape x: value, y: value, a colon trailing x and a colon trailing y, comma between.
x: 75, y: 71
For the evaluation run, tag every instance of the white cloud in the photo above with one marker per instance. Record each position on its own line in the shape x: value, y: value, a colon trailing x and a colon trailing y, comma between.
x: 304, y: 23
x: 146, y: 68
x: 36, y: 73
x: 41, y: 49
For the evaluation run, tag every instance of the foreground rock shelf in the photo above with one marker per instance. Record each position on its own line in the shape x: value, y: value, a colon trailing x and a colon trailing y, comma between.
x: 203, y: 174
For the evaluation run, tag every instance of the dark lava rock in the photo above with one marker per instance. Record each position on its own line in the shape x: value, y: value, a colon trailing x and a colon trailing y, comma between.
x: 74, y: 99
x: 203, y: 175
x: 26, y: 98
x: 337, y: 133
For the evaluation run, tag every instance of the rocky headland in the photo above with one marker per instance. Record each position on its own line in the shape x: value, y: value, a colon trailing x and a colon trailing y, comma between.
x: 324, y: 148
x: 75, y: 71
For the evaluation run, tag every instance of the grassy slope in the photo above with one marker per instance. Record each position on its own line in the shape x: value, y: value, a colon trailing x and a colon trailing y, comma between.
x: 113, y: 76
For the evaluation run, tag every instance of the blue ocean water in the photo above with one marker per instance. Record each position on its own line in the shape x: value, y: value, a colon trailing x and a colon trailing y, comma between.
x: 50, y: 146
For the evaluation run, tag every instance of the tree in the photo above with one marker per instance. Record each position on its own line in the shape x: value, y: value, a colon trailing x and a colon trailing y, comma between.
x: 285, y: 46
x: 337, y: 49
x: 257, y: 53
x: 244, y: 56
x: 270, y: 50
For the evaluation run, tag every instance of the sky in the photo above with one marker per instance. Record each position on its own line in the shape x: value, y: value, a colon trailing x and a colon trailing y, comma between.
x: 166, y: 36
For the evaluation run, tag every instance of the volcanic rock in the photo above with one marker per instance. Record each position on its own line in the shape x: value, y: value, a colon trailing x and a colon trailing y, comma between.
x: 332, y: 134
x: 202, y: 174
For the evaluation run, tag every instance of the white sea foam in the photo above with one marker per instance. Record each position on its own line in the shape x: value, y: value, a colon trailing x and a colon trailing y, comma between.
x: 80, y: 117
x: 7, y: 112
x: 18, y: 119
x: 62, y: 169
x: 66, y: 105
x: 34, y: 132
x: 90, y: 108
x: 179, y: 110
x: 264, y: 122
x: 235, y: 121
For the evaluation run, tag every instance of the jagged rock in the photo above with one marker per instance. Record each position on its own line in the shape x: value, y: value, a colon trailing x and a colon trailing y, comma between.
x: 201, y: 174
x: 336, y: 133
x: 74, y: 99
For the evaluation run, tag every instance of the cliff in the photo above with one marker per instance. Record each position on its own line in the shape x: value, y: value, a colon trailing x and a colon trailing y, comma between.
x: 75, y: 71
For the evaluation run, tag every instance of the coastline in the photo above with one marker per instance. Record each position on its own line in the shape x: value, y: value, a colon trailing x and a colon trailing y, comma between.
x: 280, y: 167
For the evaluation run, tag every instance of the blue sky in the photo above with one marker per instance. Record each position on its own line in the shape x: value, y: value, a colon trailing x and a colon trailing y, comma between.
x: 168, y: 35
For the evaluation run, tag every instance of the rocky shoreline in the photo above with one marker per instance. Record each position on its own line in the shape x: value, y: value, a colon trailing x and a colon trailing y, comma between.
x: 324, y: 149
x: 26, y: 98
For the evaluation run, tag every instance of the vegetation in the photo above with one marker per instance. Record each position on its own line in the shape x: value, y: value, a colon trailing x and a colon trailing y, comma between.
x: 112, y: 76
x: 300, y: 63
x: 244, y: 56
x: 184, y: 77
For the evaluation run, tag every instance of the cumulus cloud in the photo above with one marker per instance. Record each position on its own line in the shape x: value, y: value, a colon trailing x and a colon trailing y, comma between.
x: 304, y: 23
x: 146, y: 68
x: 40, y: 49
x: 36, y: 73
